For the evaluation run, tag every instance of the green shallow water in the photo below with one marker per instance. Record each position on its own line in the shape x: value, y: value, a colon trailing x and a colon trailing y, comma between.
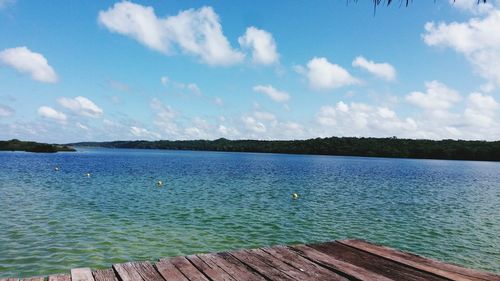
x: 52, y: 221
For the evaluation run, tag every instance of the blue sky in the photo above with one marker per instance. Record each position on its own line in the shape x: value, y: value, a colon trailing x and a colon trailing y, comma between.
x: 108, y: 70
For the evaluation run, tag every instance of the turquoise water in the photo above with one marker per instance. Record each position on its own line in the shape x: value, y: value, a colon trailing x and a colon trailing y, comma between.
x: 211, y: 201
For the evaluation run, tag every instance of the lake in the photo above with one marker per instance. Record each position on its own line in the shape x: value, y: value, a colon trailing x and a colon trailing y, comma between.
x: 51, y: 221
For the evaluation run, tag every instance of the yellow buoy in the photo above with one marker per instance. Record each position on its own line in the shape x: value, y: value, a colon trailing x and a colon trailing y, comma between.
x: 295, y: 196
x: 159, y: 183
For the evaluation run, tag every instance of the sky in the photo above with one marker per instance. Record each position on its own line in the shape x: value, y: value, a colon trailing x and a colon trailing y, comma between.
x: 127, y: 70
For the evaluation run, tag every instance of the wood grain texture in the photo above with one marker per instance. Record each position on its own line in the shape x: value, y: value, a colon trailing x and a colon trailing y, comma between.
x: 341, y: 267
x: 375, y: 263
x: 315, y: 271
x: 233, y: 267
x: 169, y: 272
x: 188, y: 269
x: 449, y: 271
x: 81, y: 274
x: 210, y: 269
x: 60, y: 277
x: 105, y: 275
x: 137, y: 271
x: 258, y: 265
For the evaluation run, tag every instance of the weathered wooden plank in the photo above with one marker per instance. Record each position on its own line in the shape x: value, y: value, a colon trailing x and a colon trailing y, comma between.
x: 60, y: 277
x: 81, y: 274
x: 136, y: 271
x: 127, y: 272
x: 210, y: 269
x: 188, y: 269
x: 375, y: 263
x: 233, y: 267
x: 341, y: 267
x: 449, y: 271
x: 260, y: 266
x: 315, y: 271
x: 278, y: 264
x: 104, y: 275
x: 169, y: 272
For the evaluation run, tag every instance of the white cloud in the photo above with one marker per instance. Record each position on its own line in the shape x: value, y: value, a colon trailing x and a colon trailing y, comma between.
x: 49, y: 112
x: 81, y: 106
x: 254, y: 125
x: 165, y: 118
x: 381, y: 70
x: 6, y: 111
x: 358, y: 119
x: 164, y: 80
x: 471, y: 6
x: 218, y: 101
x: 196, y: 32
x: 323, y: 75
x: 262, y: 45
x: 481, y: 110
x: 272, y: 93
x: 25, y: 61
x: 474, y: 39
x: 227, y: 131
x: 191, y: 87
x: 264, y: 116
x: 143, y: 133
x: 437, y: 97
x: 81, y: 126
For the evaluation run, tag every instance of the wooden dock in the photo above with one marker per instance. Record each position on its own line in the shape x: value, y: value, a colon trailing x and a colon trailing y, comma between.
x: 339, y: 260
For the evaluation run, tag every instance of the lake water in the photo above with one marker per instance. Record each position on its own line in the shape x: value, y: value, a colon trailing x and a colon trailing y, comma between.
x: 51, y: 221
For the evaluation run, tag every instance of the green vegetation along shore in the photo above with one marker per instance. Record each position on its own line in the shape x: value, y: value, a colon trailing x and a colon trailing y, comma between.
x: 29, y: 146
x: 346, y: 146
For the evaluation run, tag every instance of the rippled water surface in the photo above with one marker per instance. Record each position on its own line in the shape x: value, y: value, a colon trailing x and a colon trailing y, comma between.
x: 51, y: 221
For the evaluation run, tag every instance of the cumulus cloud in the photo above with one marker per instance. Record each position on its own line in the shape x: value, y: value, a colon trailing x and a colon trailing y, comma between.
x: 6, y: 111
x: 323, y: 75
x: 359, y: 119
x: 474, y: 39
x: 381, y: 70
x: 50, y: 113
x: 28, y: 62
x: 165, y: 117
x: 143, y: 133
x: 253, y: 125
x: 81, y: 106
x: 196, y: 32
x: 481, y: 110
x: 437, y: 97
x: 262, y: 45
x: 272, y: 93
x: 226, y: 131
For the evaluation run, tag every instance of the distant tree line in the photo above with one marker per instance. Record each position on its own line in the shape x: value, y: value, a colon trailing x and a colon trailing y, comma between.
x: 346, y: 146
x: 30, y: 146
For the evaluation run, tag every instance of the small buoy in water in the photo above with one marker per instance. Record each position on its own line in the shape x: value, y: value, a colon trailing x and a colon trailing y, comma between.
x: 87, y: 175
x: 56, y: 168
x: 159, y: 183
x: 295, y: 196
